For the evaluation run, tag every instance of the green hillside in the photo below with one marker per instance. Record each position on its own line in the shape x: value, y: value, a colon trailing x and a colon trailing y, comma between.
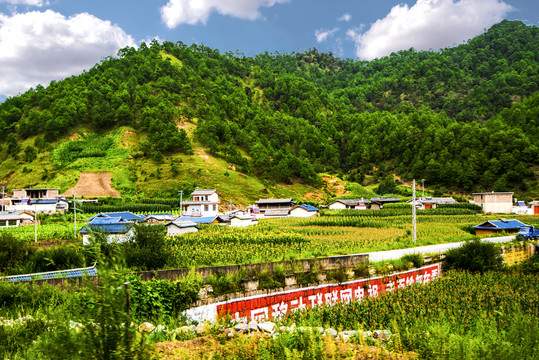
x: 168, y: 116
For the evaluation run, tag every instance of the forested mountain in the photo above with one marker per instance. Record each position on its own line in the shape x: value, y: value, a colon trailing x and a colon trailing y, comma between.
x: 464, y: 118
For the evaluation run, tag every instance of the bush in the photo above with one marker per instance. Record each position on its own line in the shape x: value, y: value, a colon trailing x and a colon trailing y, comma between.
x: 59, y: 258
x: 476, y: 256
x: 146, y: 250
x: 13, y: 253
x: 416, y: 259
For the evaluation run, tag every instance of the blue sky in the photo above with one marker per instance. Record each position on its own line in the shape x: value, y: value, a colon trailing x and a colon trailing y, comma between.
x: 44, y: 40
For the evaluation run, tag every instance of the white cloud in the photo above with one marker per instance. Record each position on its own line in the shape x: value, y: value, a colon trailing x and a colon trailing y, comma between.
x: 37, y: 47
x: 429, y: 24
x: 26, y: 2
x: 177, y: 12
x: 345, y: 17
x: 323, y: 35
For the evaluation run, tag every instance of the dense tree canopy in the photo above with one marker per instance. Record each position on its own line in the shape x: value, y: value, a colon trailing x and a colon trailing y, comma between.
x: 464, y: 117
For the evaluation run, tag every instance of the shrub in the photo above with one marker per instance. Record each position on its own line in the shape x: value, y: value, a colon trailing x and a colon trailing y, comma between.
x: 146, y: 250
x: 416, y: 259
x: 13, y: 252
x: 475, y: 255
x: 59, y: 258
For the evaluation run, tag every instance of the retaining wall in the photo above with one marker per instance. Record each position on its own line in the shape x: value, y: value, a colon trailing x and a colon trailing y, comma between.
x: 303, y: 265
x: 275, y: 304
x: 513, y: 254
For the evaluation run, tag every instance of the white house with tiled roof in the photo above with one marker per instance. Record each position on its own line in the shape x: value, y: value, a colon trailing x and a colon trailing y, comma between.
x: 204, y: 203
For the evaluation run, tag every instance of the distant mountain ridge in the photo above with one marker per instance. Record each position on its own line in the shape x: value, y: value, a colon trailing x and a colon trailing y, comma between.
x: 464, y: 118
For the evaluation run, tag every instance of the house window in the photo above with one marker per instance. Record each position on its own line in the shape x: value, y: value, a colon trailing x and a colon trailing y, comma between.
x: 12, y: 222
x: 205, y: 207
x: 2, y: 223
x: 214, y: 207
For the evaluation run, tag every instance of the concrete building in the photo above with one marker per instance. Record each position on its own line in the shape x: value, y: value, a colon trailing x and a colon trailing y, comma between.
x: 180, y: 227
x: 16, y: 218
x: 348, y: 204
x: 303, y: 211
x: 494, y: 202
x: 204, y: 203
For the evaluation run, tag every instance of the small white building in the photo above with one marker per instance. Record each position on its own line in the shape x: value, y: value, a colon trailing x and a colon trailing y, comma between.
x: 16, y: 218
x: 520, y: 208
x: 348, y: 204
x: 180, y: 227
x: 304, y: 211
x: 115, y: 229
x: 242, y: 220
x: 204, y: 203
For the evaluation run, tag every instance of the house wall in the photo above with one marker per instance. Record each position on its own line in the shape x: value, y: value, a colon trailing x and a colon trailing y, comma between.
x: 111, y: 238
x: 40, y: 208
x: 199, y: 210
x: 337, y: 206
x: 175, y: 231
x: 235, y: 222
x: 481, y: 232
x: 495, y: 203
x: 39, y: 193
x: 302, y: 213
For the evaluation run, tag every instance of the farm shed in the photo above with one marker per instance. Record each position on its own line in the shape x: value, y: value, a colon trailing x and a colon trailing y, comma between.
x: 303, y: 211
x: 175, y: 228
x: 497, y: 226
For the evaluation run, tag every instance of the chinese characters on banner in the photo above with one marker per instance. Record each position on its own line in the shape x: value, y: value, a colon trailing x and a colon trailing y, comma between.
x: 277, y: 305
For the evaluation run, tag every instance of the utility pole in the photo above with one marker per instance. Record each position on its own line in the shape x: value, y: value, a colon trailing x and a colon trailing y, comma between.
x: 181, y: 201
x: 3, y: 206
x: 75, y: 215
x: 423, y: 186
x: 35, y: 222
x: 414, y: 234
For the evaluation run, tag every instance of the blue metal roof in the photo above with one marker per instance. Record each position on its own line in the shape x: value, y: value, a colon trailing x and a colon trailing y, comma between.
x: 105, y: 220
x: 43, y: 201
x: 114, y: 228
x: 500, y: 224
x: 308, y: 207
x: 126, y: 215
x: 72, y: 273
x: 199, y: 220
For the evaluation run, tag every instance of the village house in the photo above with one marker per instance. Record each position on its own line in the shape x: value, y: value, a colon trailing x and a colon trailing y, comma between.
x: 303, y: 211
x: 16, y: 218
x: 274, y: 207
x: 180, y: 227
x: 237, y: 220
x: 520, y: 208
x: 431, y: 203
x: 124, y: 215
x: 494, y: 202
x: 36, y: 200
x: 348, y: 204
x: 165, y: 218
x: 534, y: 208
x: 204, y: 203
x: 497, y: 226
x: 116, y: 229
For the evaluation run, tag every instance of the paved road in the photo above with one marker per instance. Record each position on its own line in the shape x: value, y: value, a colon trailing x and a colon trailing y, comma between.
x: 430, y: 249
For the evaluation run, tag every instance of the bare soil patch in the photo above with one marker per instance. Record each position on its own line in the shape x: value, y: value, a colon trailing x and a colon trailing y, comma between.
x: 93, y: 184
x: 334, y: 186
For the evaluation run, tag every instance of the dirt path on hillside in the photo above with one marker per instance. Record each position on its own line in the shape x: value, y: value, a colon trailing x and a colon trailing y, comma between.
x: 93, y: 184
